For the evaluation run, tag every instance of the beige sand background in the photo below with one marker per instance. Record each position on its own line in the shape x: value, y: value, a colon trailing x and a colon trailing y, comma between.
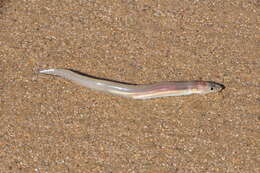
x: 51, y: 125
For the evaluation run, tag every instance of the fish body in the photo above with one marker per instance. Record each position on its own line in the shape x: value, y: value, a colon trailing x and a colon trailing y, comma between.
x: 142, y: 91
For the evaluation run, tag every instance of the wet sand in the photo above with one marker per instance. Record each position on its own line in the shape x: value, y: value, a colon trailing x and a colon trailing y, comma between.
x: 51, y: 125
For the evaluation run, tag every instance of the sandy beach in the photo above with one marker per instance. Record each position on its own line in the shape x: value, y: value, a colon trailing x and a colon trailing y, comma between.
x: 50, y: 125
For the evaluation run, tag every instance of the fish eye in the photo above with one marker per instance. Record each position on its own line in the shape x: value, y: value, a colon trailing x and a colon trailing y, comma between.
x: 211, y: 88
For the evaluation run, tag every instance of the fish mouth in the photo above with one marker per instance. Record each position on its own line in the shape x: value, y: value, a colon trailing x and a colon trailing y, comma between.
x: 220, y: 87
